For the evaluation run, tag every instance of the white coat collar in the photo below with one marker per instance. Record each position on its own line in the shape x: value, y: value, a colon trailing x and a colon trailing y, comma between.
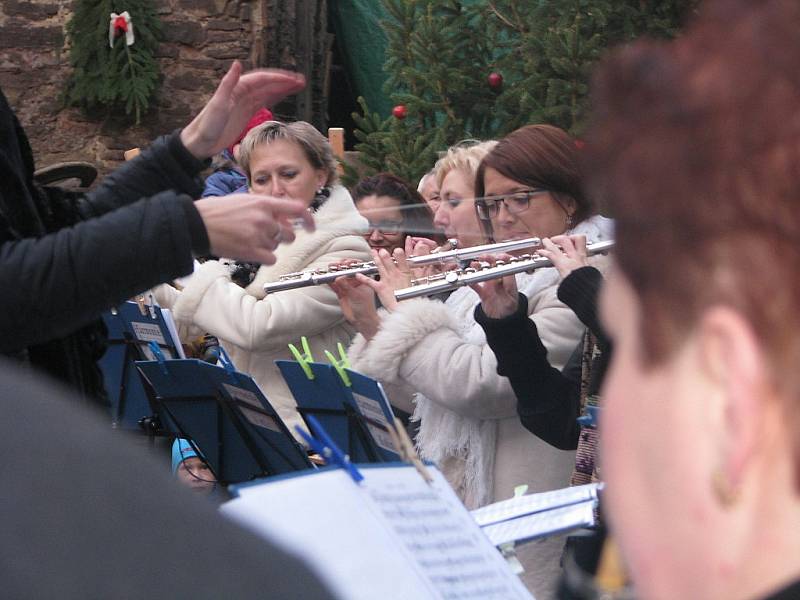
x: 337, y: 217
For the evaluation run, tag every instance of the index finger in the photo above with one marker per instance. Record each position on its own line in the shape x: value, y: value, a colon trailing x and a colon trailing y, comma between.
x: 283, y: 209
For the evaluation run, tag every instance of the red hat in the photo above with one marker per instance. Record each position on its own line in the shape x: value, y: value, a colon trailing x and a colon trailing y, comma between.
x: 262, y: 116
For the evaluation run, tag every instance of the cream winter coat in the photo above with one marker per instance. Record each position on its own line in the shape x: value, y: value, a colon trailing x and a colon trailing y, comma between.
x: 255, y: 328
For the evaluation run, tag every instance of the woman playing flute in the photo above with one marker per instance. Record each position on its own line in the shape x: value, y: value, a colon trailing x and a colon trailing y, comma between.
x: 283, y: 160
x: 467, y: 412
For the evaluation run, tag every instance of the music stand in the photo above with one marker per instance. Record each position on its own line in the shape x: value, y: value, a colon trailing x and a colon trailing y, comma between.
x: 226, y: 416
x: 324, y: 397
x: 131, y: 327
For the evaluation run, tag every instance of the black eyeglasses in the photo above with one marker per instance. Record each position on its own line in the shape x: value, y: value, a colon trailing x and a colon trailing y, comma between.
x: 488, y: 207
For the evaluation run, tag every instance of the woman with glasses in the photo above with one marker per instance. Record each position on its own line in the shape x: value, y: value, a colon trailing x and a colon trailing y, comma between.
x: 549, y: 400
x: 467, y: 412
x: 393, y: 209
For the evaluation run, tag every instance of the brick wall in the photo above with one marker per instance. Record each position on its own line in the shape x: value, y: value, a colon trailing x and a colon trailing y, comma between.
x: 201, y: 38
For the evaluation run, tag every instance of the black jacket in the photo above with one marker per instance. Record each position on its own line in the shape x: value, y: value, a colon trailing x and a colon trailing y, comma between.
x: 65, y: 258
x: 87, y: 514
x: 548, y: 400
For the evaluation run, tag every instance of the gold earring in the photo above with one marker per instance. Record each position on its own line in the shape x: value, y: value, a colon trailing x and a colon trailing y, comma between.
x: 723, y: 489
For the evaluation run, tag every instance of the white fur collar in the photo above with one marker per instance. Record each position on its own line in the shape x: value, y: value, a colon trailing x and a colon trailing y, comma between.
x: 336, y: 217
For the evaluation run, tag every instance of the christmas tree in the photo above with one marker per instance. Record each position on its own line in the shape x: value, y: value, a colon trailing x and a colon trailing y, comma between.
x: 112, y: 52
x: 461, y: 69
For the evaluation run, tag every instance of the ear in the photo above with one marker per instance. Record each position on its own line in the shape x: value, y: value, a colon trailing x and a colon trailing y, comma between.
x: 322, y: 178
x: 566, y: 201
x: 735, y: 367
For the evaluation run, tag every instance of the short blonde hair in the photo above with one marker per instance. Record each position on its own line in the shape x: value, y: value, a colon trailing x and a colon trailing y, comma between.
x: 315, y: 146
x: 462, y: 158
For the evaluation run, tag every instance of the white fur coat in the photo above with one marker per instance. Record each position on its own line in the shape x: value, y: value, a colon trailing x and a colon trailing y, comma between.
x: 469, y: 423
x: 256, y: 328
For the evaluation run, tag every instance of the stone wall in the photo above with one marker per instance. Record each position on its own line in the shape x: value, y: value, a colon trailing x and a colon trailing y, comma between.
x: 201, y: 38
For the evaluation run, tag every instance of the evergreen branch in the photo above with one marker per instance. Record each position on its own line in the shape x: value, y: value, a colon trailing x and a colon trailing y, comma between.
x: 499, y: 15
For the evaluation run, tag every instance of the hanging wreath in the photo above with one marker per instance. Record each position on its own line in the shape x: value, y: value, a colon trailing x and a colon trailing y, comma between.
x: 113, y: 67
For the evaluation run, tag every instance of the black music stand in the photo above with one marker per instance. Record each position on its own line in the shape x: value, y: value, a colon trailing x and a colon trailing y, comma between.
x: 226, y: 416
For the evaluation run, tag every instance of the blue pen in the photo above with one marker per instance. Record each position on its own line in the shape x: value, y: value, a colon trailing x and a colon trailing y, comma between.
x: 154, y: 348
x: 313, y: 443
x: 331, y: 450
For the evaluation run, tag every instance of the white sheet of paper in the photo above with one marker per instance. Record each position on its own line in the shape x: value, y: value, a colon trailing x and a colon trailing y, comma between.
x: 533, y: 503
x: 392, y: 536
x: 149, y: 332
x: 166, y: 314
x: 542, y: 524
x: 372, y: 412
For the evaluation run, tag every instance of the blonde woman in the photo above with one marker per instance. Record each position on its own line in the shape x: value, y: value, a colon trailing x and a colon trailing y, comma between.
x: 286, y: 161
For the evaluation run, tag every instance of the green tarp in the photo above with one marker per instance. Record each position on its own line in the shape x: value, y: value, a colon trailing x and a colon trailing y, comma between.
x: 362, y: 44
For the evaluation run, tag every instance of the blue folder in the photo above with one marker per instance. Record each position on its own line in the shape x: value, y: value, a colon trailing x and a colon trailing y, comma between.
x: 227, y: 417
x: 355, y: 418
x: 129, y: 332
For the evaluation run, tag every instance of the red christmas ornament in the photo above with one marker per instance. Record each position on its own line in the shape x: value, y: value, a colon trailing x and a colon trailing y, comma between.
x: 495, y: 80
x: 120, y: 26
x: 400, y: 111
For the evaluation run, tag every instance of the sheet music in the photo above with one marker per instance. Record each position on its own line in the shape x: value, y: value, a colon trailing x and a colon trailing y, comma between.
x: 372, y: 413
x: 256, y: 417
x: 440, y: 536
x: 542, y: 524
x: 150, y: 332
x: 393, y: 536
x: 533, y: 503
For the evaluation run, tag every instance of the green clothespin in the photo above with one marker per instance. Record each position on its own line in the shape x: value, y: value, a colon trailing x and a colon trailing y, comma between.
x: 304, y: 358
x: 341, y: 364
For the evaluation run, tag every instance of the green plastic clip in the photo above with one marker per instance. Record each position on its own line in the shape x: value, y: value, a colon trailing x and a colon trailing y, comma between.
x: 340, y: 364
x: 303, y: 358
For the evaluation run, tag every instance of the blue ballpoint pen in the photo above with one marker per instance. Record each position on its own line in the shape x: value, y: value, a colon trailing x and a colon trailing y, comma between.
x: 328, y: 449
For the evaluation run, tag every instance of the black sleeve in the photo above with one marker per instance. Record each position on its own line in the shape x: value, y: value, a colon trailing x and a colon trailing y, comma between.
x: 547, y: 400
x: 57, y: 283
x: 165, y: 165
x: 580, y: 291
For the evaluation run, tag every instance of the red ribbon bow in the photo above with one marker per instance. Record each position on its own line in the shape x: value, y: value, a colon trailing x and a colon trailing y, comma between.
x: 120, y: 25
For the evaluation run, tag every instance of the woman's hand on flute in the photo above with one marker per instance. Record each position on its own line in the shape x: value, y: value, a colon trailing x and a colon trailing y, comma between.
x: 395, y: 274
x: 419, y: 246
x: 499, y: 297
x: 357, y: 302
x: 567, y: 252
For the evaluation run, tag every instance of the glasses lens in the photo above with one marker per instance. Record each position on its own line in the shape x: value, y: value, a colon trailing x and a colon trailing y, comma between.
x: 487, y: 209
x: 518, y: 202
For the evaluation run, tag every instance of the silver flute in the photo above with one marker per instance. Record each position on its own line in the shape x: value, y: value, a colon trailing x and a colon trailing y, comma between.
x: 450, y: 280
x: 292, y: 281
